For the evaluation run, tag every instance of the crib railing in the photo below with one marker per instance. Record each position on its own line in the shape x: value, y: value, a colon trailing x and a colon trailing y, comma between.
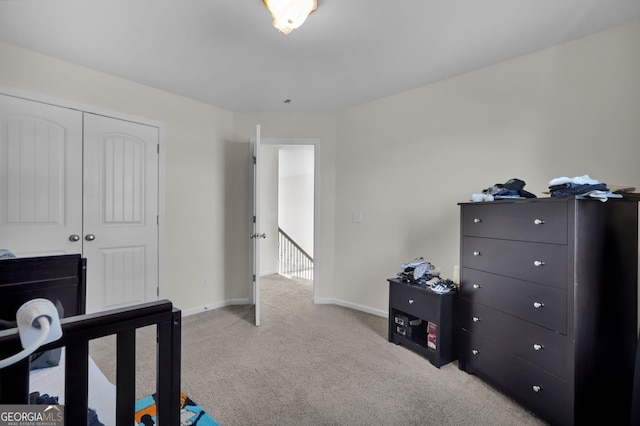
x: 292, y: 258
x: 77, y: 331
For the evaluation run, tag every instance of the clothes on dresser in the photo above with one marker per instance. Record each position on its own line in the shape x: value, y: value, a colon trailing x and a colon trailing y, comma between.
x: 6, y: 254
x: 423, y: 274
x: 582, y: 186
x: 513, y: 188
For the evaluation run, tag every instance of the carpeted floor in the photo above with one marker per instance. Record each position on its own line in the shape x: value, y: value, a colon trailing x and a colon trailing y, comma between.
x: 313, y: 365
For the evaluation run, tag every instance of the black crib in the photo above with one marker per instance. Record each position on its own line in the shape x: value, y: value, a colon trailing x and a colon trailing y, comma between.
x: 63, y: 278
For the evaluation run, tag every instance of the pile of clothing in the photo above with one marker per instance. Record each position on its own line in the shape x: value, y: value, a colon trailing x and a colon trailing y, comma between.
x: 423, y: 274
x: 583, y: 186
x: 513, y: 188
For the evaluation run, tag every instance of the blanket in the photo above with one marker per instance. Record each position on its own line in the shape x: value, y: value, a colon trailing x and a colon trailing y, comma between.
x: 190, y: 412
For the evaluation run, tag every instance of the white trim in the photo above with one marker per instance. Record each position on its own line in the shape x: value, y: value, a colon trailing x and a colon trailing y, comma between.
x: 65, y: 103
x: 355, y: 306
x: 265, y: 273
x: 211, y: 307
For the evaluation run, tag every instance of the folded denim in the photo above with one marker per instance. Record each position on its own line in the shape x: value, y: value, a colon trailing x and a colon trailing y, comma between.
x: 568, y: 189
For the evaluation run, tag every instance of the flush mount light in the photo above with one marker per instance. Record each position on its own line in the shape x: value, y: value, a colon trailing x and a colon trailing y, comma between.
x: 290, y: 14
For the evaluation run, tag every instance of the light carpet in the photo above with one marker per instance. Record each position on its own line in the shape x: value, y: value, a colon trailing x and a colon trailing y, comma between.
x: 313, y: 364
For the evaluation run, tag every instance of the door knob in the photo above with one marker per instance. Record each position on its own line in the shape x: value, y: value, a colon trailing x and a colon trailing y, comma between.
x: 263, y: 235
x: 74, y: 237
x: 89, y: 237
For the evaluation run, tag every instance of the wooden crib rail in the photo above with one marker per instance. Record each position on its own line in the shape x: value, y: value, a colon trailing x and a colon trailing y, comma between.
x: 77, y: 331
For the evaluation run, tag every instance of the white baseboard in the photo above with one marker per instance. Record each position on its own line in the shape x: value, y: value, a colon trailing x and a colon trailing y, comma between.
x: 210, y: 307
x: 362, y: 308
x: 367, y: 309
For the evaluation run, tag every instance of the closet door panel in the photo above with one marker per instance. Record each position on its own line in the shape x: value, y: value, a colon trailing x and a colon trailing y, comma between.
x: 40, y: 178
x: 121, y: 212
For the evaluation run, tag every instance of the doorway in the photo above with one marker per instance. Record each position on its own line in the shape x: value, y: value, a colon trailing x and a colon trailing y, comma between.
x: 288, y: 206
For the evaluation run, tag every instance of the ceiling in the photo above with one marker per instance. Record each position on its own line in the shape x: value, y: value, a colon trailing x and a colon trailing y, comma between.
x: 226, y: 53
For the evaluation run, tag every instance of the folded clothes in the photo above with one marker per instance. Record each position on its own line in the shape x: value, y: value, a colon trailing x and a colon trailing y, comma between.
x: 567, y: 189
x: 580, y: 180
x: 582, y: 187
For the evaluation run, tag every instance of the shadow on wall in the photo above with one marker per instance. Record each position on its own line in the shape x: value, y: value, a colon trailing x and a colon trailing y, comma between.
x: 236, y: 220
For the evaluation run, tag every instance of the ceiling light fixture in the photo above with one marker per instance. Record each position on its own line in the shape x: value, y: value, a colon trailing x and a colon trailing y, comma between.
x: 290, y: 14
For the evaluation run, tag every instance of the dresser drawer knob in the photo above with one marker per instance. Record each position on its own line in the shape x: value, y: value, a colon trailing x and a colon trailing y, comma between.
x: 536, y: 388
x: 537, y: 346
x: 538, y: 221
x: 477, y: 286
x: 476, y: 220
x: 411, y: 301
x: 475, y: 351
x: 476, y: 253
x: 538, y: 263
x: 538, y: 305
x: 475, y: 319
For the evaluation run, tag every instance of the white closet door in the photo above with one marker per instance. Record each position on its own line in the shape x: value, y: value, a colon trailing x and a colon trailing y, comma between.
x: 40, y: 178
x: 120, y: 212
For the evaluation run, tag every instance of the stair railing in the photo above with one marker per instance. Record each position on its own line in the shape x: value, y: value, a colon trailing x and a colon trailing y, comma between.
x: 293, y: 260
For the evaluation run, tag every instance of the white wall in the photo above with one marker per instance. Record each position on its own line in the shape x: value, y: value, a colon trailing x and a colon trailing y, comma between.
x: 407, y: 160
x: 204, y: 194
x: 404, y: 162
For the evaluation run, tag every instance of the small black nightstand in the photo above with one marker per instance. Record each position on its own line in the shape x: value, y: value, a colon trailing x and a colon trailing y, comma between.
x: 424, y: 321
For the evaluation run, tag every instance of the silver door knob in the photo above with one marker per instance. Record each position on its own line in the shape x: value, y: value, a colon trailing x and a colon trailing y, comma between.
x: 74, y: 237
x: 536, y: 388
x: 538, y: 305
x: 477, y: 286
x: 476, y: 253
x: 477, y: 220
x: 89, y: 237
x: 475, y: 351
x: 411, y: 301
x: 537, y: 346
x: 538, y: 263
x: 538, y: 221
x: 475, y: 319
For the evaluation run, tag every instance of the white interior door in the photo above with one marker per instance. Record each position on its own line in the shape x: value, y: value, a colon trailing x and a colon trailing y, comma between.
x: 120, y: 212
x: 255, y: 235
x: 40, y: 178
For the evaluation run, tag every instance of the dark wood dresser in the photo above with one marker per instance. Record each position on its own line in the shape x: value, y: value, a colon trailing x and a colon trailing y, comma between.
x: 548, y: 304
x: 424, y: 321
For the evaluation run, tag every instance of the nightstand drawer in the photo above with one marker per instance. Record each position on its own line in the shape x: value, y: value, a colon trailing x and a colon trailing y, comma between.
x: 540, y: 222
x: 413, y: 301
x: 546, y: 394
x: 537, y: 345
x: 535, y: 262
x: 539, y: 304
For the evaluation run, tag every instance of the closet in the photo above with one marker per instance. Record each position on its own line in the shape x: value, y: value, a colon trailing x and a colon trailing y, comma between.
x: 72, y: 181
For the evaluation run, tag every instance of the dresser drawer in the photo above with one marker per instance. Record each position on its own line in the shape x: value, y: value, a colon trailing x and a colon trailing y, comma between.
x: 539, y: 304
x: 541, y: 222
x: 540, y: 391
x: 535, y: 262
x: 413, y: 301
x: 537, y: 345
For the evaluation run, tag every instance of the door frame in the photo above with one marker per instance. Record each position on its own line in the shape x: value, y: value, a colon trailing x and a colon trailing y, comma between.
x: 66, y: 103
x: 315, y: 142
